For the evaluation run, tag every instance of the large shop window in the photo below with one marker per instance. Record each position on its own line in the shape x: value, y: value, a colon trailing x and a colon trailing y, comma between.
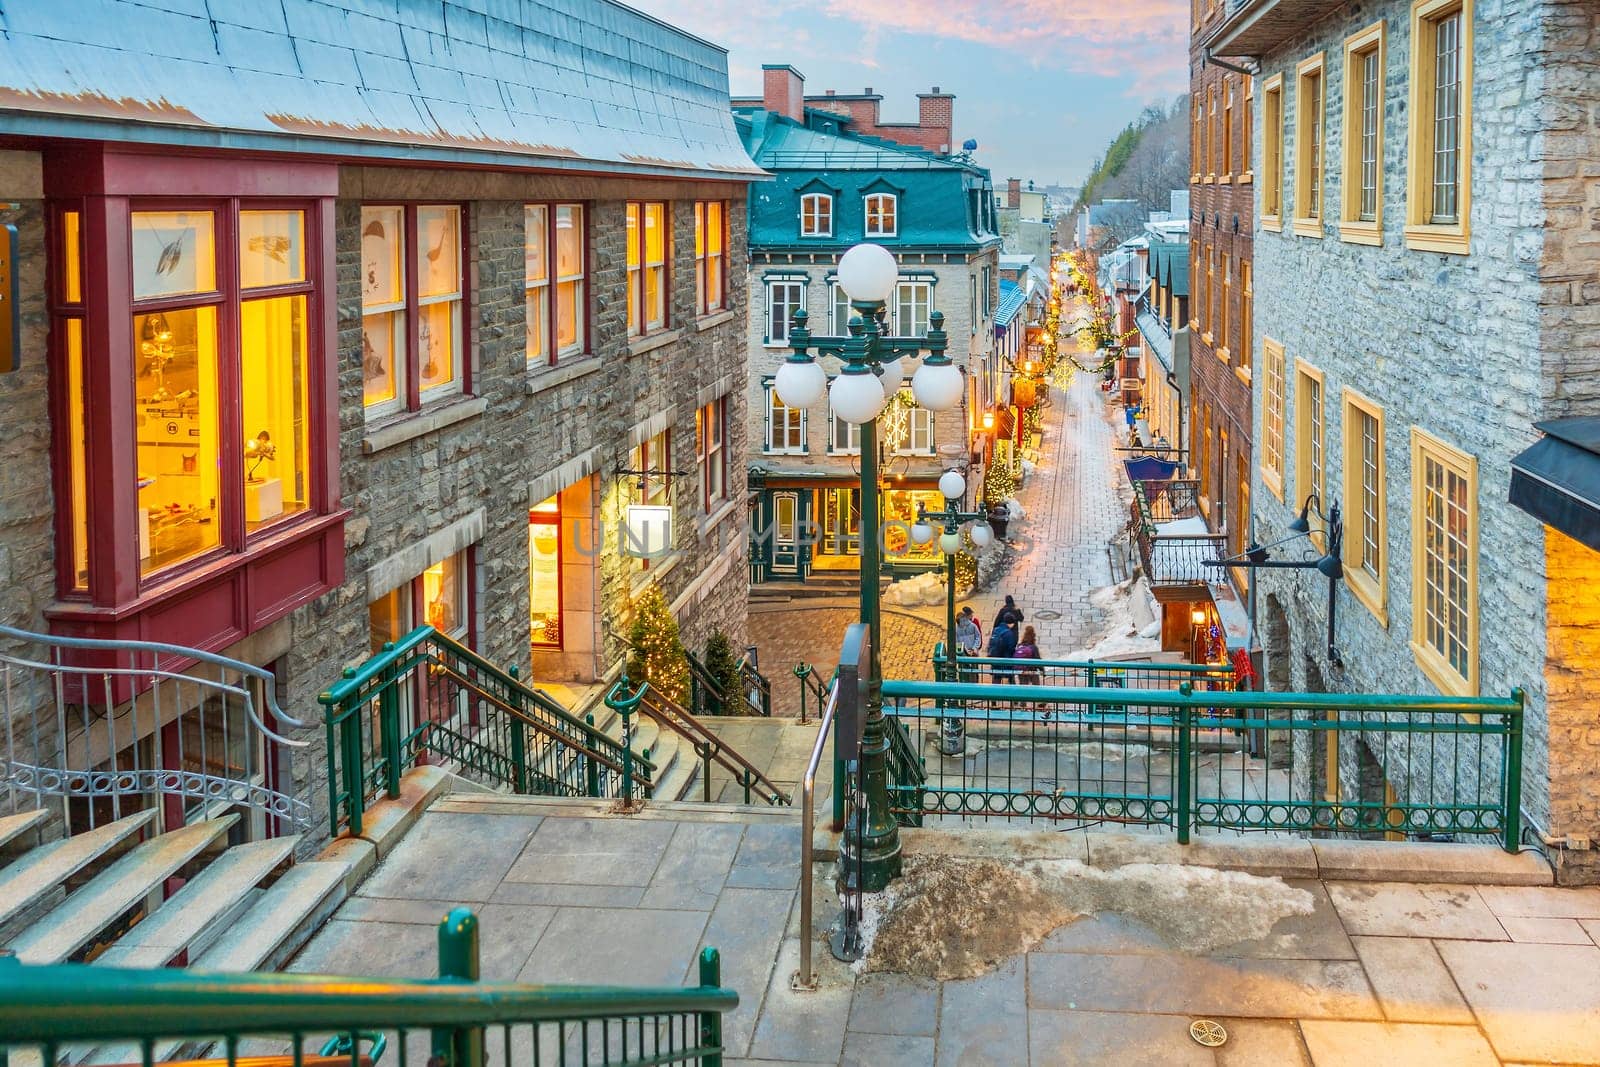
x: 557, y: 300
x: 648, y: 244
x: 411, y: 301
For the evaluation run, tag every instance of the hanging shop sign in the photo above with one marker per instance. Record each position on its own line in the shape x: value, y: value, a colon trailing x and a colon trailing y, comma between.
x: 647, y: 532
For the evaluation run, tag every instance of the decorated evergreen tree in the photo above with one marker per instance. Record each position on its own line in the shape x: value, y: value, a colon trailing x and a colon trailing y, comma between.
x: 658, y: 656
x: 723, y: 666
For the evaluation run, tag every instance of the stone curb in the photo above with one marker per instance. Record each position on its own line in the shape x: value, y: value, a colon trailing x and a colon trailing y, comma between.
x: 385, y: 823
x: 1326, y: 860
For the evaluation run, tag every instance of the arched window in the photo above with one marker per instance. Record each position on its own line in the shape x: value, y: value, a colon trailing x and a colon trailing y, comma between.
x: 882, y: 215
x: 816, y: 215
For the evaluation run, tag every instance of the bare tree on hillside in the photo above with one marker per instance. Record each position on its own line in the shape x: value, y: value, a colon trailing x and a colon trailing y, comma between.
x: 1159, y: 163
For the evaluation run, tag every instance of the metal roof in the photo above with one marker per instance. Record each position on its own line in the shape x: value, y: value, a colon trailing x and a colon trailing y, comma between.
x: 564, y: 84
x: 1012, y: 297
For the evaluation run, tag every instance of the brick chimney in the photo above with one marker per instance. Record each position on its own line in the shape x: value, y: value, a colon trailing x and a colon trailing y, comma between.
x: 783, y: 90
x: 1014, y: 192
x: 936, y: 116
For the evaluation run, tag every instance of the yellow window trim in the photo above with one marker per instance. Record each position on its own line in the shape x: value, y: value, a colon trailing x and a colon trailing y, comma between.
x: 1243, y: 374
x: 1373, y: 593
x: 1419, y: 234
x: 1272, y: 477
x: 1272, y: 222
x: 1302, y: 449
x: 1247, y: 177
x: 1356, y: 48
x: 1272, y: 481
x: 1306, y: 225
x: 1272, y: 150
x: 1433, y: 665
x: 1223, y: 354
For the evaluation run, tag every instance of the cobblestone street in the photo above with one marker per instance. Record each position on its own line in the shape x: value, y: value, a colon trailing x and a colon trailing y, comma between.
x: 811, y: 632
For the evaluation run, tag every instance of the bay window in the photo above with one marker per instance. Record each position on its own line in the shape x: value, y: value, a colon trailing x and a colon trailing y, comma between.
x: 557, y: 300
x: 648, y: 242
x: 412, y: 337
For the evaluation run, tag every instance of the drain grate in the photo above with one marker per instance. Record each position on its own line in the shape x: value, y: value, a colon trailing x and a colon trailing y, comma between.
x: 1208, y: 1032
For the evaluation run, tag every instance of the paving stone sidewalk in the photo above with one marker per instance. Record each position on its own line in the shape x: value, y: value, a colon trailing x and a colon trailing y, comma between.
x: 1376, y: 973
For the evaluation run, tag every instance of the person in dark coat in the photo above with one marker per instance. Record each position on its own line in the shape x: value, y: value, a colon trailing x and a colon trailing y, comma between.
x: 1008, y: 608
x: 1002, y: 646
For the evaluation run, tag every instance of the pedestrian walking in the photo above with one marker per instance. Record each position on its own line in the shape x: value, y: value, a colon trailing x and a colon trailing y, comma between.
x: 969, y: 639
x: 1028, y: 649
x: 1002, y: 647
x: 1008, y: 608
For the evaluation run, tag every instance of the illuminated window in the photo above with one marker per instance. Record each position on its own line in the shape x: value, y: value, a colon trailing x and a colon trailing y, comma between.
x: 786, y: 426
x: 711, y: 446
x: 411, y: 321
x: 1273, y: 404
x: 69, y: 328
x: 544, y: 573
x: 177, y: 426
x: 1444, y: 550
x: 710, y: 264
x: 557, y: 307
x: 648, y: 241
x: 882, y: 214
x: 1438, y: 195
x: 816, y: 215
x: 1272, y: 153
x: 1308, y: 134
x: 1366, y: 534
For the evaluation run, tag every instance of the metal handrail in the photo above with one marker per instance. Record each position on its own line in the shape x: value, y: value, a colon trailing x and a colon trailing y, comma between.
x: 808, y: 792
x: 707, y: 743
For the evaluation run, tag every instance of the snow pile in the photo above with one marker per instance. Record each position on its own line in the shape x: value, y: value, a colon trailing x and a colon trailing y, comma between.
x: 1133, y: 625
x: 1014, y: 509
x: 925, y: 588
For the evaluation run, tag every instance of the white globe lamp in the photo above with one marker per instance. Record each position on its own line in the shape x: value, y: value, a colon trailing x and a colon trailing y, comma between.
x: 950, y: 543
x: 894, y: 374
x: 921, y: 533
x: 952, y: 485
x: 856, y: 398
x: 937, y: 385
x: 867, y: 273
x: 982, y: 534
x: 800, y: 383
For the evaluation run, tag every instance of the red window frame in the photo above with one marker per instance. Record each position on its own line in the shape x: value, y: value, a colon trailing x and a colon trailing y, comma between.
x: 702, y: 257
x: 643, y: 328
x: 552, y: 519
x: 712, y: 414
x: 552, y: 355
x: 413, y: 401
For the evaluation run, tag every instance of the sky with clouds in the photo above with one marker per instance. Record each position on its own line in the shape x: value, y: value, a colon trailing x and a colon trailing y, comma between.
x: 1042, y: 85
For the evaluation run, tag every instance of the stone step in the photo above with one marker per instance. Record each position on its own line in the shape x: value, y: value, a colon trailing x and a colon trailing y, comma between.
x: 14, y: 826
x: 207, y: 898
x: 71, y: 924
x: 279, y: 922
x: 42, y: 869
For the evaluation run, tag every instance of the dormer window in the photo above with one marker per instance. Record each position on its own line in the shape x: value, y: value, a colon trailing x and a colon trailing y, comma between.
x: 882, y: 215
x: 816, y: 215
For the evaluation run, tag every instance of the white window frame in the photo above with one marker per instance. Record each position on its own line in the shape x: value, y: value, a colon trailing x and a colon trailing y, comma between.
x: 771, y: 446
x: 880, y: 208
x: 920, y: 290
x: 848, y: 432
x: 775, y: 324
x: 838, y: 300
x: 919, y: 435
x: 814, y: 209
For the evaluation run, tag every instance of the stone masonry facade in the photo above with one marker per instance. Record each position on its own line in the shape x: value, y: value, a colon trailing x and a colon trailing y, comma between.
x: 1472, y: 349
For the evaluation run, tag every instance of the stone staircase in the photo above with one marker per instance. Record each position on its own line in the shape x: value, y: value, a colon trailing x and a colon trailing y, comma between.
x: 97, y: 897
x: 677, y: 766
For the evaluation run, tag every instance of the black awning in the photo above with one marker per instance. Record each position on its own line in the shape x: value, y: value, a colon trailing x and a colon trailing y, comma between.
x: 1557, y: 481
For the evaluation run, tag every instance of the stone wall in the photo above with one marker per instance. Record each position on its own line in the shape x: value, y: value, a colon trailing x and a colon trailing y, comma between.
x: 1441, y: 342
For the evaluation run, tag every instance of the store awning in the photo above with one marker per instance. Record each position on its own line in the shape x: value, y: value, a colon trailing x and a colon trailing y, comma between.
x: 1150, y: 469
x: 1557, y: 481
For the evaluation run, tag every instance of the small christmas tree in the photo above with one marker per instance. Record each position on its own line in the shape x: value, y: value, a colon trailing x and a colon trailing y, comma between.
x: 657, y: 655
x: 723, y: 666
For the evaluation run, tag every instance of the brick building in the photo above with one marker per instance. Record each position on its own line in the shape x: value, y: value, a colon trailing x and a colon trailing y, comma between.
x: 395, y: 352
x: 1426, y: 300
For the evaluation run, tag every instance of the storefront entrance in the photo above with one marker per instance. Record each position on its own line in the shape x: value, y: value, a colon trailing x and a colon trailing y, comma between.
x: 563, y: 576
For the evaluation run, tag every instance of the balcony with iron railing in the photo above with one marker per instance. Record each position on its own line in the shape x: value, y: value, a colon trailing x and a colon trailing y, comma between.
x: 1174, y: 541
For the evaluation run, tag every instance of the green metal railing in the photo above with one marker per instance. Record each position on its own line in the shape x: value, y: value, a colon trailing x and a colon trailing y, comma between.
x: 429, y: 698
x: 283, y: 1019
x: 1188, y: 758
x: 706, y: 743
x: 1086, y: 674
x: 707, y: 695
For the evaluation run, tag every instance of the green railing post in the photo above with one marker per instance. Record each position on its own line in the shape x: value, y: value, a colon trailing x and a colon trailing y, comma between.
x: 711, y: 1021
x: 1181, y: 802
x: 458, y: 958
x: 627, y: 751
x: 1513, y: 813
x: 519, y: 735
x: 591, y: 769
x: 389, y: 724
x: 802, y: 671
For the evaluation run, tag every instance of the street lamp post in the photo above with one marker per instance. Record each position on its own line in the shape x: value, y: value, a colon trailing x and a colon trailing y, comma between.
x: 873, y: 370
x: 952, y: 735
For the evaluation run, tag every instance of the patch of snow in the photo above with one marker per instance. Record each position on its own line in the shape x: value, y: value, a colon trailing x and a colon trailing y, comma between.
x: 925, y: 588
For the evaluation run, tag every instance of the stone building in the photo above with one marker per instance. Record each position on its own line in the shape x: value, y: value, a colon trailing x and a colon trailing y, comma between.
x: 1221, y: 277
x: 1427, y: 295
x: 834, y: 188
x: 1027, y: 225
x: 400, y: 347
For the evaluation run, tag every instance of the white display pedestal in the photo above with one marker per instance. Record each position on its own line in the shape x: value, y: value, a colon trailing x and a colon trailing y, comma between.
x: 263, y: 500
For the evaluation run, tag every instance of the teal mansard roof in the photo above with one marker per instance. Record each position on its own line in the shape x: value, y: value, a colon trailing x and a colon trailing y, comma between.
x: 943, y: 203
